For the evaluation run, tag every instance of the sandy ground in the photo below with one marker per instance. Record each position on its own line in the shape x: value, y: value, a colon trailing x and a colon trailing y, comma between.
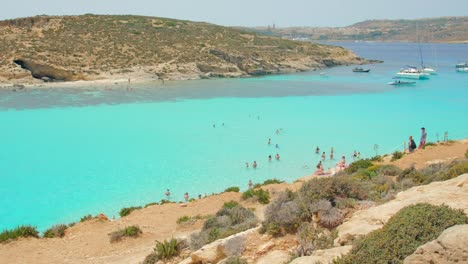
x: 88, y: 242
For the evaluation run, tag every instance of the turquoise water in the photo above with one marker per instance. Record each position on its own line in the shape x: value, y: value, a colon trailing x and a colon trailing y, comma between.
x: 69, y: 152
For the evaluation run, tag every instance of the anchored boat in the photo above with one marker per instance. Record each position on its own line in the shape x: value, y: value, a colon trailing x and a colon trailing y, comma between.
x: 359, y: 69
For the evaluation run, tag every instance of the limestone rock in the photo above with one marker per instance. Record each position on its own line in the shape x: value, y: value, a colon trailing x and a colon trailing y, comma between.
x: 323, y: 256
x: 449, y: 247
x: 220, y: 249
x: 274, y: 257
x: 453, y: 193
x: 262, y: 249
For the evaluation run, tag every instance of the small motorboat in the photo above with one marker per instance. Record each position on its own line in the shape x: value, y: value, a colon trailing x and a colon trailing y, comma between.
x: 462, y: 67
x: 398, y: 82
x: 359, y: 69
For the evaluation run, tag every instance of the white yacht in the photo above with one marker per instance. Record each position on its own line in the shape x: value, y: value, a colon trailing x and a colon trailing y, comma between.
x: 428, y: 70
x: 462, y: 67
x: 412, y: 73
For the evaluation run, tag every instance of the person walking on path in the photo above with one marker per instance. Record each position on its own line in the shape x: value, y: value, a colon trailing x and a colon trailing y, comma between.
x: 422, y: 141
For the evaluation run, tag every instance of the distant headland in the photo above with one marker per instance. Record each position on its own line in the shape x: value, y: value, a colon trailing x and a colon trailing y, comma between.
x: 110, y: 47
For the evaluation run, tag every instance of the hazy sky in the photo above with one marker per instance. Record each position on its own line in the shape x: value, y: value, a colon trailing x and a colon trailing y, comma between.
x: 245, y: 12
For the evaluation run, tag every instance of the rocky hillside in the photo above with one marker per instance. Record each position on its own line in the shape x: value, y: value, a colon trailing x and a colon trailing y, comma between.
x: 93, y: 47
x: 444, y: 29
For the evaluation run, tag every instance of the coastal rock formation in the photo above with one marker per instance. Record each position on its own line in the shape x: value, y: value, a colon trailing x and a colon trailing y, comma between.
x: 220, y: 249
x: 449, y: 247
x: 453, y: 193
x: 323, y: 256
x: 46, y: 72
x: 93, y: 47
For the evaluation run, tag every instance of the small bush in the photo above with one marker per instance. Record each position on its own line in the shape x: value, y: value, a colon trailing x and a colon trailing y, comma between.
x: 389, y: 170
x: 230, y: 204
x: 268, y: 182
x: 127, y: 210
x: 377, y: 158
x: 130, y: 231
x: 150, y: 204
x: 228, y: 221
x: 183, y: 219
x: 397, y: 155
x: 412, y: 174
x: 55, y: 231
x: 365, y: 174
x: 261, y: 195
x: 310, y: 238
x: 86, y: 218
x: 330, y: 218
x: 20, y: 231
x: 411, y: 227
x: 360, y: 164
x: 466, y: 154
x: 429, y: 144
x: 235, y: 260
x: 453, y: 170
x: 167, y: 249
x: 282, y: 216
x: 232, y: 189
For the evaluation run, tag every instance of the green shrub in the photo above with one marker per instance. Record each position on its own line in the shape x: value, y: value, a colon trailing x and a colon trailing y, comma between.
x: 411, y: 227
x: 127, y: 210
x: 228, y: 221
x: 364, y: 174
x: 331, y: 188
x: 235, y: 260
x: 377, y: 158
x: 130, y: 231
x: 232, y: 189
x: 312, y: 238
x: 429, y: 144
x: 268, y: 182
x: 55, y: 231
x: 360, y: 164
x: 150, y: 204
x: 466, y: 154
x: 230, y: 204
x: 167, y: 249
x: 183, y: 219
x: 20, y: 231
x: 397, y: 155
x: 261, y: 195
x: 86, y: 218
x: 453, y: 170
x: 412, y: 174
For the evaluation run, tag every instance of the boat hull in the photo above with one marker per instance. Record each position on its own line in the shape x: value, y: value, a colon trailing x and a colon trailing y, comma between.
x: 414, y: 76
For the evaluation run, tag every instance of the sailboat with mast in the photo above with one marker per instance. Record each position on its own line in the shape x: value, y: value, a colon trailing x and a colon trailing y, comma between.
x: 424, y: 69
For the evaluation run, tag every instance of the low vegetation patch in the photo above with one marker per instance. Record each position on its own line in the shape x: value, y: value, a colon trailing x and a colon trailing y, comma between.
x: 127, y: 210
x: 360, y: 164
x: 260, y: 195
x: 150, y: 204
x: 86, y: 218
x: 232, y: 189
x: 56, y: 231
x: 397, y: 155
x: 228, y: 221
x: 413, y: 226
x: 20, y: 231
x: 130, y: 231
x: 235, y: 260
x: 268, y: 182
x: 165, y: 250
x: 230, y: 204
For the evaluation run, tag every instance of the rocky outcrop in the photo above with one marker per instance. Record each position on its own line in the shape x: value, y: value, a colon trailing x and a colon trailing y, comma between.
x: 274, y: 257
x: 46, y: 72
x: 449, y: 247
x: 453, y: 193
x: 323, y: 256
x: 220, y: 249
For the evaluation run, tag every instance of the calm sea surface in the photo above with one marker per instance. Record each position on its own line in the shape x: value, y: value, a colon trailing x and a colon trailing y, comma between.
x: 65, y: 153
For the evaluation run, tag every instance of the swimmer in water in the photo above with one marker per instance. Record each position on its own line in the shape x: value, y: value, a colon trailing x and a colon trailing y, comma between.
x: 269, y: 141
x: 247, y: 165
x: 186, y: 197
x: 277, y: 157
x: 254, y: 164
x: 331, y: 153
x: 269, y: 158
x: 167, y: 193
x: 250, y: 184
x: 317, y: 150
x: 323, y: 155
x: 277, y: 146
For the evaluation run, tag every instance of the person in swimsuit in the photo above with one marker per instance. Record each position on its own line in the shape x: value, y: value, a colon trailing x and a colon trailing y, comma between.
x: 317, y: 150
x: 186, y: 197
x: 277, y: 157
x: 254, y: 164
x: 331, y: 153
x: 323, y: 156
x: 422, y: 141
x: 269, y: 158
